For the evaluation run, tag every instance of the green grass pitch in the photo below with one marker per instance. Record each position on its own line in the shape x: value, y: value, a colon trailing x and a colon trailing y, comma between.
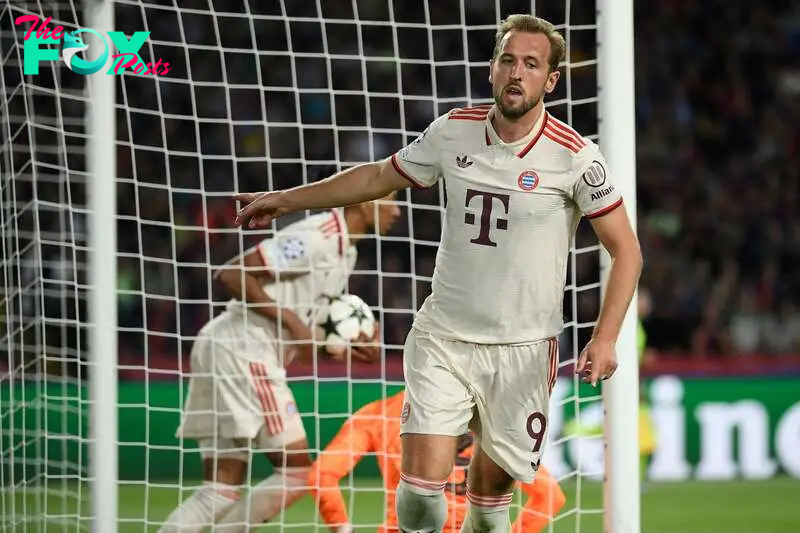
x: 688, y: 507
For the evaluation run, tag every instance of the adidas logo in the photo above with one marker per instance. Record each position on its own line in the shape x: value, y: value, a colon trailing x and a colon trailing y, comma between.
x: 463, y: 161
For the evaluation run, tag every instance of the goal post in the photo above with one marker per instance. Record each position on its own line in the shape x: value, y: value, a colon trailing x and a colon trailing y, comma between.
x: 618, y: 142
x: 102, y: 279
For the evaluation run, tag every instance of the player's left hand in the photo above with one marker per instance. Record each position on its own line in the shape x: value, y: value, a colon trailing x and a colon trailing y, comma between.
x: 598, y: 361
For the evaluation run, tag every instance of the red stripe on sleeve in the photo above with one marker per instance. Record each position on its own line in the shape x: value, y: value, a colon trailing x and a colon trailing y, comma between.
x: 405, y: 174
x: 605, y: 210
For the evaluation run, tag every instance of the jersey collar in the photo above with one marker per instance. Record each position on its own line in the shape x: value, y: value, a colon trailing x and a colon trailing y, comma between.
x: 526, y: 142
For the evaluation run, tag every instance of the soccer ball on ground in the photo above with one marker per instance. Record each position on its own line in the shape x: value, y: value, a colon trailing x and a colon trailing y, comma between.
x: 347, y: 318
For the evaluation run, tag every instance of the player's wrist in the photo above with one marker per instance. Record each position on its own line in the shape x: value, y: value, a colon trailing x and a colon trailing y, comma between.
x: 288, y: 202
x: 603, y: 339
x: 603, y: 336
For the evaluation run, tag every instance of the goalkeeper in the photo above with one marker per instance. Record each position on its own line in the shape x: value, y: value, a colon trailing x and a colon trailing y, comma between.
x: 375, y: 428
x: 238, y: 397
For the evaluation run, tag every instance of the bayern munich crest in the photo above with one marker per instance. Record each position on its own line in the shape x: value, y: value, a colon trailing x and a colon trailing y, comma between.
x: 528, y: 180
x: 405, y: 413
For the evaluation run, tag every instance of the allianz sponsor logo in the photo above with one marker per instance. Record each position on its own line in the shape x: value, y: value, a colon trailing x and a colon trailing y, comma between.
x: 602, y: 192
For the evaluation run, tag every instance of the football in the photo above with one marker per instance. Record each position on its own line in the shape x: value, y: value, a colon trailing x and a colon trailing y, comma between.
x: 347, y: 317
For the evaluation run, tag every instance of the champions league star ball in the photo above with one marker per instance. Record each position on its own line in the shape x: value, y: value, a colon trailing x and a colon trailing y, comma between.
x: 347, y: 318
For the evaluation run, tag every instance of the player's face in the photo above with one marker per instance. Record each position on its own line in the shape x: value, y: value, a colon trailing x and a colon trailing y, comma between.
x: 384, y: 213
x: 520, y: 74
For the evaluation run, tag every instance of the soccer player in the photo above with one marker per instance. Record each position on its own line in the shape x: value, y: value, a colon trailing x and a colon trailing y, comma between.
x: 238, y: 397
x: 375, y: 428
x: 482, y: 351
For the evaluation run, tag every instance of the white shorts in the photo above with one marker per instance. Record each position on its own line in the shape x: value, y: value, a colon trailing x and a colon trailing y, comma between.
x: 238, y: 394
x: 509, y: 387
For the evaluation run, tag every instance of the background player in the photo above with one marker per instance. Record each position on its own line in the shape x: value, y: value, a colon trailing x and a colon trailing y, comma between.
x: 375, y: 429
x: 238, y: 396
x: 517, y: 181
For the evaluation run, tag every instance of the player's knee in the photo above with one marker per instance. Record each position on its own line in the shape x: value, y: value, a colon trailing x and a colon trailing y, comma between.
x: 421, y: 505
x: 292, y: 455
x: 224, y: 460
x: 428, y: 456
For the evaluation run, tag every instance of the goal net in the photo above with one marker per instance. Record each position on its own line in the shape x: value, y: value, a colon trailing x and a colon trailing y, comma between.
x: 262, y: 94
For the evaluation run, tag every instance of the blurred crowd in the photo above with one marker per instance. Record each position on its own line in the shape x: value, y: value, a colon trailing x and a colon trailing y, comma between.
x: 718, y: 145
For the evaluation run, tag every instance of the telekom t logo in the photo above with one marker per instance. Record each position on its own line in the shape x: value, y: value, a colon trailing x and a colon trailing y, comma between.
x: 128, y: 56
x: 484, y: 236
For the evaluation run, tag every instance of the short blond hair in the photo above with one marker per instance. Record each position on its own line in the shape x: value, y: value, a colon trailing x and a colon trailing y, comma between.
x: 530, y: 24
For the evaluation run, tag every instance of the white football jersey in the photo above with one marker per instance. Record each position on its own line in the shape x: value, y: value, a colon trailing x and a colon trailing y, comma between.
x: 511, y: 215
x: 312, y: 260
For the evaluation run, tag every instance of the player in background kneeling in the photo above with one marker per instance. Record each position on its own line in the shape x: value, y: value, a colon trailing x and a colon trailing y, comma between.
x: 375, y: 429
x: 239, y: 399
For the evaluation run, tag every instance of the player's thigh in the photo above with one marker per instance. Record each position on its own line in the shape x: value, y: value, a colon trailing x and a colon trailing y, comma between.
x: 230, y: 392
x: 438, y: 399
x: 438, y: 405
x: 214, y: 401
x: 266, y: 420
x: 282, y: 437
x: 515, y: 407
x: 219, y: 412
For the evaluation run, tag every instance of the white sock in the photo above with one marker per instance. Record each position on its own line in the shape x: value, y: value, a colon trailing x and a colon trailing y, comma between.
x: 487, y: 513
x: 421, y: 505
x: 284, y: 487
x: 202, y: 509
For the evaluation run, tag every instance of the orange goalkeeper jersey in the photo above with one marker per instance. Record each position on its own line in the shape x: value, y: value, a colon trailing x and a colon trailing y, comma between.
x: 375, y: 429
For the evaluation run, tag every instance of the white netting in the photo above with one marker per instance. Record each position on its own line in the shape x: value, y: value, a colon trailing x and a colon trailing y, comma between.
x: 260, y: 94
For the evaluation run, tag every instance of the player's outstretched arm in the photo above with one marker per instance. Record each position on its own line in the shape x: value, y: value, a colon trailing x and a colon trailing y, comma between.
x: 614, y: 231
x: 337, y: 460
x: 355, y: 185
x: 545, y: 499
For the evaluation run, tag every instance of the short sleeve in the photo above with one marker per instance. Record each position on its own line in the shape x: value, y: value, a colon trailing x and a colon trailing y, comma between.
x: 419, y: 161
x: 294, y: 250
x: 594, y: 191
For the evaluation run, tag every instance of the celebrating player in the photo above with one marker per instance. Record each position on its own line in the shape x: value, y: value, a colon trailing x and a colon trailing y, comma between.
x: 482, y: 352
x: 375, y: 428
x: 238, y: 396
